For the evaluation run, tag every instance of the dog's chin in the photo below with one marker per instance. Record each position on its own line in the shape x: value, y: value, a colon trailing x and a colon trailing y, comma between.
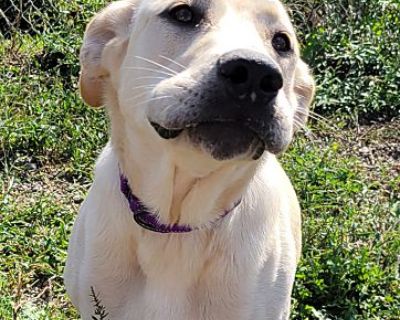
x: 226, y: 141
x: 221, y: 140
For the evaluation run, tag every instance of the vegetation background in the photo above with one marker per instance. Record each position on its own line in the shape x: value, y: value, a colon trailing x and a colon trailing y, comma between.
x: 345, y: 166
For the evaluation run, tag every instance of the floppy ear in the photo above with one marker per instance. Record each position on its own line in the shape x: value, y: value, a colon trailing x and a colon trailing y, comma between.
x: 304, y: 88
x: 104, y: 47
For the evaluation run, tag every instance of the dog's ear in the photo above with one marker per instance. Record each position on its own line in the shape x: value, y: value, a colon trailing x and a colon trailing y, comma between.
x: 304, y: 88
x: 104, y: 47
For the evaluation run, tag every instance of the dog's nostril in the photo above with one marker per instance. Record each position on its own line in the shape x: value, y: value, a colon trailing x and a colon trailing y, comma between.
x: 249, y: 76
x: 239, y: 75
x: 271, y: 83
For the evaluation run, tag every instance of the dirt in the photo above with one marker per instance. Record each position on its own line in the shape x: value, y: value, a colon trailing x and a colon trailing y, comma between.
x: 377, y: 145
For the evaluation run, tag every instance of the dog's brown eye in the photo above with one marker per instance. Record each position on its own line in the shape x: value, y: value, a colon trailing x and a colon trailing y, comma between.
x: 183, y: 14
x: 281, y: 42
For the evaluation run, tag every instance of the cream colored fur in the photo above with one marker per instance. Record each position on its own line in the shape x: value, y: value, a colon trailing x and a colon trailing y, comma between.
x: 241, y: 269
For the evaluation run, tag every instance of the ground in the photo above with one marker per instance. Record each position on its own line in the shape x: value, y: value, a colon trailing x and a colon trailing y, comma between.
x: 346, y: 176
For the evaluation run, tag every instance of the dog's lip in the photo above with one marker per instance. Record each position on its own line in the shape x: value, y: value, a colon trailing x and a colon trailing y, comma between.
x: 166, y: 133
x: 169, y: 134
x: 172, y: 133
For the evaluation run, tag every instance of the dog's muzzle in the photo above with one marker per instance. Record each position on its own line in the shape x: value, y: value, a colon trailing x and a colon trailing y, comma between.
x: 236, y: 114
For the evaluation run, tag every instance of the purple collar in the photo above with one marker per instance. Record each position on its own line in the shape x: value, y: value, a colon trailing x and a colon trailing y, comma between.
x: 149, y: 220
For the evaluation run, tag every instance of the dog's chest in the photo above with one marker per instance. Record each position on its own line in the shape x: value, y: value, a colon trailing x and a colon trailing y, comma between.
x: 190, y: 279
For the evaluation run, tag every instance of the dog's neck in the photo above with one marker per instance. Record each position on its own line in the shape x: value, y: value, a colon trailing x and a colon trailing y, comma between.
x: 179, y: 197
x: 187, y: 190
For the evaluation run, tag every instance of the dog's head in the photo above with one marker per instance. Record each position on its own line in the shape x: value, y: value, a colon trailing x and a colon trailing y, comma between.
x: 222, y: 78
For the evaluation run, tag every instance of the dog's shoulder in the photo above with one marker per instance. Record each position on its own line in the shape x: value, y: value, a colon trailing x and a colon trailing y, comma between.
x: 280, y: 193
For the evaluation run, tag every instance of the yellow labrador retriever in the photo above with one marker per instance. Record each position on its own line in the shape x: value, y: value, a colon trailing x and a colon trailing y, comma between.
x: 190, y: 216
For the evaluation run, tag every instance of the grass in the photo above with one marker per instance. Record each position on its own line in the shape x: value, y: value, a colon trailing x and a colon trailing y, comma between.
x: 347, y: 180
x: 351, y: 230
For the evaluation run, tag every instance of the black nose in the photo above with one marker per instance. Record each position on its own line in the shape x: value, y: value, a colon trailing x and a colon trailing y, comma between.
x: 249, y: 74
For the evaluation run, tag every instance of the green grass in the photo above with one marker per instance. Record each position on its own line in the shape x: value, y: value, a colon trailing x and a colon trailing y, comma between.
x: 353, y: 47
x: 48, y: 144
x: 351, y: 233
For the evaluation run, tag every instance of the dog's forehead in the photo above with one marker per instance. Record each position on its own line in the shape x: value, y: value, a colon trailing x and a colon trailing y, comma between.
x: 272, y: 8
x: 268, y: 7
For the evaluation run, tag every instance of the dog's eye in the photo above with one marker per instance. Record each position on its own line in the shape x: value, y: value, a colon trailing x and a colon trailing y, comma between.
x: 281, y: 42
x: 183, y: 14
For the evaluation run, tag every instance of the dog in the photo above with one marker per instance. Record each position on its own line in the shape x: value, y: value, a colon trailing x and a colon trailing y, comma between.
x: 190, y: 215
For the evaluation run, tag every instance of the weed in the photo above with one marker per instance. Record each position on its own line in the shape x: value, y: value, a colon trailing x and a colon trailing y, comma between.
x: 100, y: 312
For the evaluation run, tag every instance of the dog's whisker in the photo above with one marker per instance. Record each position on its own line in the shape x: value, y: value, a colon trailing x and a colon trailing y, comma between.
x: 145, y: 86
x: 160, y: 72
x: 303, y: 127
x: 151, y: 77
x: 153, y: 99
x: 316, y: 117
x: 303, y: 112
x: 139, y: 95
x: 171, y: 106
x: 308, y: 133
x: 174, y: 62
x: 319, y: 116
x: 156, y: 64
x: 298, y: 122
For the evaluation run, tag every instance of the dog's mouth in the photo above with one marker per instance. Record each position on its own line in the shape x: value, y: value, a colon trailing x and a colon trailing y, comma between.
x: 165, y: 133
x: 223, y: 139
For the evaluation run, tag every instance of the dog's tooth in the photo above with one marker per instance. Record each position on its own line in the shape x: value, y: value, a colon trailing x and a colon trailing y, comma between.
x: 190, y: 126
